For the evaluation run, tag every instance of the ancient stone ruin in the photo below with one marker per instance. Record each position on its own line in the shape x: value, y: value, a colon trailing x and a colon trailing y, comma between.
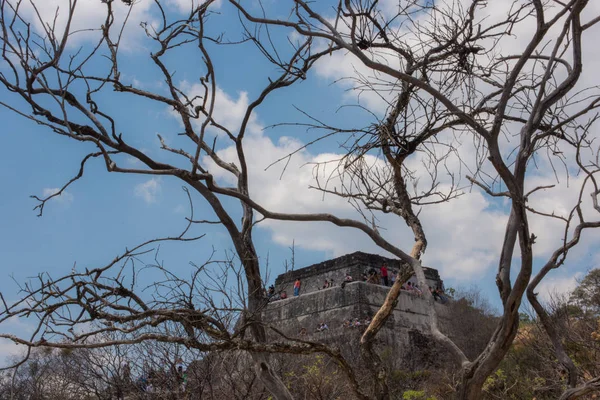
x: 302, y: 316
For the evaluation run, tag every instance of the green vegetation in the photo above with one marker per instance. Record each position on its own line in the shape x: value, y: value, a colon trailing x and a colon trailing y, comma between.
x: 416, y: 395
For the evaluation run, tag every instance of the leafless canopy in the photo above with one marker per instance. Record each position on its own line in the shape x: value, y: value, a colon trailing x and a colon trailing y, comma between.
x: 450, y: 102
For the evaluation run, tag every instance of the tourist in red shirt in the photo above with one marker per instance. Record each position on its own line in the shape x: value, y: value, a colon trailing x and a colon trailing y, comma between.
x: 297, y: 285
x: 384, y: 275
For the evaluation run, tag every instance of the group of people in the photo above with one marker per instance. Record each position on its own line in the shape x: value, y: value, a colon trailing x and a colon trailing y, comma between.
x: 349, y: 323
x: 388, y: 278
x: 356, y: 323
x: 271, y: 295
x: 412, y: 287
x: 322, y: 327
x: 328, y: 283
x: 383, y: 277
x: 438, y: 294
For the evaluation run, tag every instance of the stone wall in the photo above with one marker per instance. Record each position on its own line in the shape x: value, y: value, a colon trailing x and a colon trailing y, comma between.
x: 355, y: 300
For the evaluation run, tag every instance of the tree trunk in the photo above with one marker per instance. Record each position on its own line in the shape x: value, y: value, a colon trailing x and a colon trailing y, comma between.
x: 256, y: 302
x: 376, y: 369
x: 274, y: 385
x: 242, y: 240
x: 474, y: 374
x: 368, y: 355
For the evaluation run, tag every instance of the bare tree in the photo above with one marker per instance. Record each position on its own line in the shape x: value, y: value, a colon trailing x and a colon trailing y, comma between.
x: 56, y: 374
x: 48, y: 68
x: 445, y: 75
x: 446, y: 79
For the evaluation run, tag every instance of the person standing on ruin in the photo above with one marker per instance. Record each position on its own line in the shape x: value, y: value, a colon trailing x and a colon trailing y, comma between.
x: 384, y: 275
x: 297, y: 286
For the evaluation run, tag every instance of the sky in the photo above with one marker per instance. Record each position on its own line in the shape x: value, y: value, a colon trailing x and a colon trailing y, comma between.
x: 103, y: 213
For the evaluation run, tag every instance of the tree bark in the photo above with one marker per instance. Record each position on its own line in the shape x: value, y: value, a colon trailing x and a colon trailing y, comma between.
x: 255, y: 304
x: 272, y: 382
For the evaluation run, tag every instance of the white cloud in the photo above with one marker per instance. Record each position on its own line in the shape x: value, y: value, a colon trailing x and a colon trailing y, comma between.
x: 8, y: 349
x: 446, y: 232
x: 149, y: 190
x: 229, y: 111
x: 595, y: 261
x: 135, y: 162
x: 153, y: 85
x: 464, y: 235
x: 185, y: 6
x: 88, y: 17
x: 65, y: 197
x: 554, y: 287
x: 558, y: 200
x: 15, y: 326
x: 130, y: 160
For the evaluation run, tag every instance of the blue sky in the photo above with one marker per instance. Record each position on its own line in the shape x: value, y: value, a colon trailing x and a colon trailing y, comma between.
x: 103, y: 213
